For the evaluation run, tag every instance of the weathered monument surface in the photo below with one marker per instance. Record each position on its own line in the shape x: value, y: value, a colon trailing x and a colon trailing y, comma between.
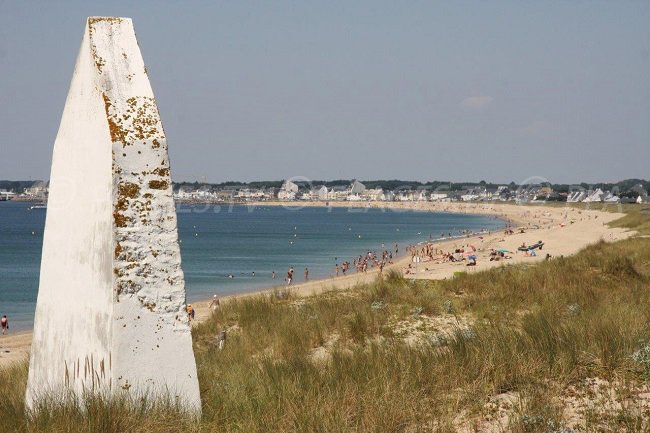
x: 110, y: 312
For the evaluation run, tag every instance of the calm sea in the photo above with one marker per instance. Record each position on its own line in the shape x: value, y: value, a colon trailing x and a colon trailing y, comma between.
x: 218, y: 241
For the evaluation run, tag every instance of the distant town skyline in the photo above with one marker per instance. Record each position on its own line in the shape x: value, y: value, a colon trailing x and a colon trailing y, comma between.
x: 630, y: 191
x: 460, y: 91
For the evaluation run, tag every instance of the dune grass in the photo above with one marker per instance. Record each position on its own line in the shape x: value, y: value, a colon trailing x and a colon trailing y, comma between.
x: 343, y: 362
x: 94, y: 413
x: 637, y: 217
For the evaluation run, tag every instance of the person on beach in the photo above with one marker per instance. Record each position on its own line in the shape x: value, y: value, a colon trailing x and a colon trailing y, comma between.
x: 5, y: 324
x: 221, y: 338
x: 337, y: 269
x: 289, y: 276
x: 273, y: 275
x: 190, y: 312
x: 306, y: 274
x: 215, y: 303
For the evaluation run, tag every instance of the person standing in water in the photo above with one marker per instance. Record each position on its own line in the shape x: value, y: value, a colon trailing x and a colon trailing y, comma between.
x: 306, y: 274
x: 289, y: 276
x: 5, y: 324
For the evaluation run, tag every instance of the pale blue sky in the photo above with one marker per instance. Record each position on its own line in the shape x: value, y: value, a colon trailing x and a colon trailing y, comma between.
x: 494, y: 90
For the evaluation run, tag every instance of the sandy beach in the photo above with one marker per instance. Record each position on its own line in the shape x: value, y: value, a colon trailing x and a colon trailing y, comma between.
x: 564, y: 230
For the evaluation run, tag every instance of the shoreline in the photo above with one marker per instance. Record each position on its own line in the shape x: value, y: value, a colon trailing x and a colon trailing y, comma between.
x: 565, y: 230
x: 24, y: 321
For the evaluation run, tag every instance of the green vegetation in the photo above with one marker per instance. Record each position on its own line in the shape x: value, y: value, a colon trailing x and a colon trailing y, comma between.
x: 636, y: 218
x: 520, y: 344
x: 17, y: 186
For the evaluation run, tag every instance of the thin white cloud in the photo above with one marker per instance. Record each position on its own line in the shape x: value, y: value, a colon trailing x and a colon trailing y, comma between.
x: 476, y: 102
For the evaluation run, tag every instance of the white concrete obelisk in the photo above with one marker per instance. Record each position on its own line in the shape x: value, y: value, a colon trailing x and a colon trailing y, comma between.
x: 110, y: 315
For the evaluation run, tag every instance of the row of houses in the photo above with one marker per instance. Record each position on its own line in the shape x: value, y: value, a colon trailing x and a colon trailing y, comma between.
x: 356, y: 191
x: 592, y: 196
x: 637, y: 194
x: 37, y: 191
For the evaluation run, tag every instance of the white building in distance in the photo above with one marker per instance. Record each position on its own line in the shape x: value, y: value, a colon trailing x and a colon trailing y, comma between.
x: 288, y: 191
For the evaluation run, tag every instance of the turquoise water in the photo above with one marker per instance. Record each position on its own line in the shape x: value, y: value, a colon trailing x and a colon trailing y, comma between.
x: 217, y: 241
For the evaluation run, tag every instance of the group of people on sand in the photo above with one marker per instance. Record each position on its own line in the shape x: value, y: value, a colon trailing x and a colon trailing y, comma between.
x: 191, y: 311
x: 429, y: 252
x: 372, y: 260
x: 468, y: 253
x: 290, y: 278
x: 343, y: 268
x: 495, y: 255
x: 362, y: 263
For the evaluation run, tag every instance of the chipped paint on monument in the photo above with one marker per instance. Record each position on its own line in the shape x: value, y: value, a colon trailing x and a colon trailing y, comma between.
x: 149, y: 330
x: 149, y: 284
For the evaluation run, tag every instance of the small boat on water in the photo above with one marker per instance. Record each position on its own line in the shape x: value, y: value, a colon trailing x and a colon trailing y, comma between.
x: 38, y: 206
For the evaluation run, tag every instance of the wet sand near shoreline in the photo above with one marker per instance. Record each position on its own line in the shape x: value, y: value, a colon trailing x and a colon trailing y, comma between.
x: 564, y: 230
